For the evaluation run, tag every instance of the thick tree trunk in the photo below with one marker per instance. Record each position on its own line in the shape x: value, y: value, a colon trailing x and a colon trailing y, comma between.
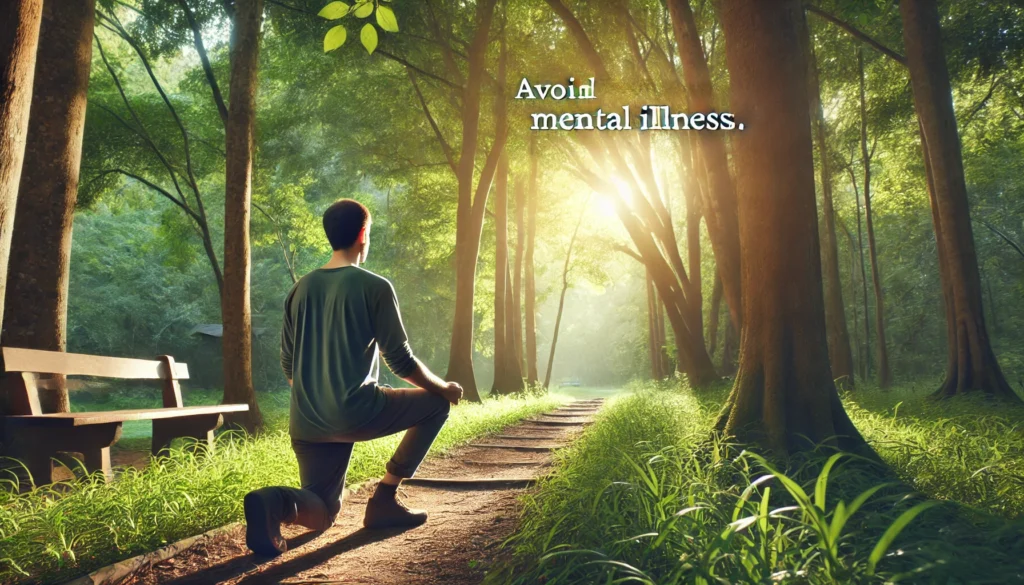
x: 973, y: 365
x: 19, y: 36
x: 839, y: 352
x: 239, y: 146
x: 561, y: 298
x: 469, y: 214
x: 784, y: 397
x: 530, y: 292
x: 720, y: 209
x: 884, y: 370
x: 36, y: 304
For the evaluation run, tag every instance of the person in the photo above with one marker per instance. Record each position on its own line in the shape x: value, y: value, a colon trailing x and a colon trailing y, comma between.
x: 337, y: 320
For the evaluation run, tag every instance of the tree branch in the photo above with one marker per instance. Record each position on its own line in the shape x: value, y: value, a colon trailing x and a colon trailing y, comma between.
x: 857, y: 33
x: 445, y: 147
x: 419, y: 70
x: 197, y: 40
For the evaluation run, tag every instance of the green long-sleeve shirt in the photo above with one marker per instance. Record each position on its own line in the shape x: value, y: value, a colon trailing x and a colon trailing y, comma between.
x: 334, y: 322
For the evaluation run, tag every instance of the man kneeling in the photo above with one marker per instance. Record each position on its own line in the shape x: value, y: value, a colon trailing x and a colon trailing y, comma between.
x: 335, y: 320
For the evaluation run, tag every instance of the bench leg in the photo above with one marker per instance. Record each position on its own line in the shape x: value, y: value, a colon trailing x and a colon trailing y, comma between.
x: 199, y: 427
x: 95, y: 441
x: 30, y: 447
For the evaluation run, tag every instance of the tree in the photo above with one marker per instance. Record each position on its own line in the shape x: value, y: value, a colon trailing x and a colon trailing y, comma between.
x: 239, y: 144
x: 19, y: 36
x: 561, y: 297
x: 884, y: 370
x: 36, y: 304
x: 784, y: 396
x: 529, y: 280
x: 840, y: 354
x: 972, y: 365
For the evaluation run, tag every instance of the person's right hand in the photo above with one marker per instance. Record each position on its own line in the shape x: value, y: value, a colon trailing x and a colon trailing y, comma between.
x: 452, y: 392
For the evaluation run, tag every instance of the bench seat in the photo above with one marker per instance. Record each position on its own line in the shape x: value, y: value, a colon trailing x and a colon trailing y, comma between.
x: 81, y: 419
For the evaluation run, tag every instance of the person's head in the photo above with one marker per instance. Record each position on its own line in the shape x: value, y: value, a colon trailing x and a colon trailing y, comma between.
x: 347, y: 225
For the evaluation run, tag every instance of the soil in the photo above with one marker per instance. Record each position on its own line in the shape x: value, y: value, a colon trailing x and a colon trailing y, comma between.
x: 457, y: 545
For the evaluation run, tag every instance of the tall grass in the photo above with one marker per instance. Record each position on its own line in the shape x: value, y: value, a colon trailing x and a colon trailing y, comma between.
x: 55, y: 532
x: 651, y: 495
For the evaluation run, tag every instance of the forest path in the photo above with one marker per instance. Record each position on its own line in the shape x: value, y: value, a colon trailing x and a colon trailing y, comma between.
x: 471, y: 494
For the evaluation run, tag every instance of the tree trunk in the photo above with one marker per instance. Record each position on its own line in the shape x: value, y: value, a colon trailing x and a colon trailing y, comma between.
x: 36, y: 304
x: 839, y: 352
x: 653, y: 341
x: 517, y: 276
x: 784, y: 397
x: 863, y: 279
x: 470, y: 211
x: 714, y: 317
x: 530, y: 302
x: 239, y: 146
x: 720, y: 209
x: 973, y: 365
x: 884, y: 371
x: 561, y: 298
x: 861, y: 360
x: 506, y: 380
x: 19, y: 36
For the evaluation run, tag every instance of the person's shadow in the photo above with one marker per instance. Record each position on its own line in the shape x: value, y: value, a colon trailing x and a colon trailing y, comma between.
x: 249, y: 567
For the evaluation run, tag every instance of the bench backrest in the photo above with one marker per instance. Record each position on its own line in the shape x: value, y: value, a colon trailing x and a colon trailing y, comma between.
x: 22, y: 369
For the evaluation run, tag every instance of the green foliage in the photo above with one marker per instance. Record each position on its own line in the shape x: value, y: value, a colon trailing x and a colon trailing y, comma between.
x: 651, y: 495
x: 65, y: 529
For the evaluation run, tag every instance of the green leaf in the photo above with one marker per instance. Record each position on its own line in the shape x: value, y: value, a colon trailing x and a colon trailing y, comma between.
x: 335, y: 38
x: 893, y: 531
x: 386, y: 19
x: 333, y: 10
x: 368, y: 36
x: 363, y: 9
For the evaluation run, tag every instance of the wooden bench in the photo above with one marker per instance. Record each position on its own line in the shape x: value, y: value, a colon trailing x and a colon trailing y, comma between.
x: 34, y: 437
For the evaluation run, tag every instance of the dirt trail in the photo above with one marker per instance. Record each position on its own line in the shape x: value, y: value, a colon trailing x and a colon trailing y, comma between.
x: 468, y: 520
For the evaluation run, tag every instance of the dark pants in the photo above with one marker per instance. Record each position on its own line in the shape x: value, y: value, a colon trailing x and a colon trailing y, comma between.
x: 323, y: 465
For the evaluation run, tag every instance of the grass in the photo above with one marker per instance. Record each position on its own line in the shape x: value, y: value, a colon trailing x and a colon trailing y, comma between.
x: 650, y: 495
x: 60, y: 531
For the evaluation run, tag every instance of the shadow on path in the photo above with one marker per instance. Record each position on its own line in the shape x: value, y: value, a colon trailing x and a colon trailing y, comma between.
x: 252, y: 569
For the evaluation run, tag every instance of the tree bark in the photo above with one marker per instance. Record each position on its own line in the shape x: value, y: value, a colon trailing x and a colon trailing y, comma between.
x: 470, y: 211
x: 884, y: 370
x: 972, y: 363
x: 36, y: 303
x: 561, y: 298
x: 715, y: 315
x: 19, y: 37
x: 239, y: 145
x: 530, y: 292
x: 784, y: 397
x: 840, y: 354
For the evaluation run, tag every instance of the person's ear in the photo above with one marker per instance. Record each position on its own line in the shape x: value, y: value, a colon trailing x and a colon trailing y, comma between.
x: 362, y: 236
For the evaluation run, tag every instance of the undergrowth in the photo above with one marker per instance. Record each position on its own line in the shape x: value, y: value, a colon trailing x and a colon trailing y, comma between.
x: 55, y: 532
x: 651, y: 495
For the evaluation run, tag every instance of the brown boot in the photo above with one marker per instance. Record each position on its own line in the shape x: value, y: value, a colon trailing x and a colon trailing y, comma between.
x: 384, y: 511
x: 263, y: 516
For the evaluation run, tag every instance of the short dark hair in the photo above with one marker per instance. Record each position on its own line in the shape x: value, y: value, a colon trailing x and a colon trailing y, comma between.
x: 343, y: 221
